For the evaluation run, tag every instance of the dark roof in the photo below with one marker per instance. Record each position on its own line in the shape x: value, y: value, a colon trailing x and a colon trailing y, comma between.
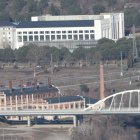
x: 30, y: 90
x: 71, y: 99
x: 6, y: 23
x: 49, y: 24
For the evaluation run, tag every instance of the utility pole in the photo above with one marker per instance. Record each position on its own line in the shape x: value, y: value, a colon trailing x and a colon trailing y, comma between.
x: 51, y: 64
x: 34, y: 73
x: 3, y: 137
x: 121, y: 65
x: 135, y: 51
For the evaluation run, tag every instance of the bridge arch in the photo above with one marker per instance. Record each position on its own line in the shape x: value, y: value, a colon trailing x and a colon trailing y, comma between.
x: 127, y: 100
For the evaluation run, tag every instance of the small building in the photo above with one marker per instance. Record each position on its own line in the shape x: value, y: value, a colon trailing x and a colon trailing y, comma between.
x: 39, y: 97
x: 70, y: 102
x: 29, y: 97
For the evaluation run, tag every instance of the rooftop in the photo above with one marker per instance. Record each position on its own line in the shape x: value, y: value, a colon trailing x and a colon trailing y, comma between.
x: 6, y: 23
x: 71, y: 99
x: 52, y: 24
x: 29, y: 90
x: 65, y: 17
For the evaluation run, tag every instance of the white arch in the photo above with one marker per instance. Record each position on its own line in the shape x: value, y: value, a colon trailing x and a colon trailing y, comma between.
x: 98, y: 105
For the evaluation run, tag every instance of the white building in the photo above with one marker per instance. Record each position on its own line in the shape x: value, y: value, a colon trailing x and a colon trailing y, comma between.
x: 109, y: 25
x: 69, y: 31
x: 7, y: 35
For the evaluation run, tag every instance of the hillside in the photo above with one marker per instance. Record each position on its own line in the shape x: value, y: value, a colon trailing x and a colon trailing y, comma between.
x: 19, y: 10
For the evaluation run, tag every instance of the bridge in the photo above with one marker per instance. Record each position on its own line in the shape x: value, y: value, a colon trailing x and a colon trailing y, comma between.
x: 125, y: 102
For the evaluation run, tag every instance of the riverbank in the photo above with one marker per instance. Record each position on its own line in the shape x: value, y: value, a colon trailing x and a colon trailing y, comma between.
x: 35, y: 133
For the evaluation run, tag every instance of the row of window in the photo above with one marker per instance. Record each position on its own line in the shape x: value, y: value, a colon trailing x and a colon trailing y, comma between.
x: 7, y: 28
x: 25, y: 38
x: 57, y: 32
x: 30, y: 96
x: 6, y: 33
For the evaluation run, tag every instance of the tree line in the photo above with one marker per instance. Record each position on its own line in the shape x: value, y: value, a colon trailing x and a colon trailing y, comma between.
x: 21, y: 10
x: 105, y: 50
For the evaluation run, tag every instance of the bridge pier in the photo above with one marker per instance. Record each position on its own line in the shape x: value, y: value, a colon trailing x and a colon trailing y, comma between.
x: 28, y: 121
x: 80, y: 119
x: 75, y: 121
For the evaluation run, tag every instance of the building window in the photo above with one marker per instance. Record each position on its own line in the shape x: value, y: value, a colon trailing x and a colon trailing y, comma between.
x: 19, y: 38
x: 63, y: 36
x: 36, y: 37
x: 47, y: 32
x: 74, y: 31
x: 53, y: 32
x: 52, y: 37
x: 69, y: 31
x: 47, y: 37
x: 75, y: 37
x: 19, y: 32
x: 92, y: 37
x: 30, y: 38
x: 58, y: 37
x: 86, y: 31
x: 80, y: 37
x: 69, y: 36
x: 24, y: 38
x: 41, y: 32
x: 30, y: 32
x: 42, y: 38
x: 91, y: 31
x: 24, y: 32
x: 80, y: 31
x: 64, y: 32
x: 71, y: 106
x: 35, y: 32
x: 58, y: 32
x: 86, y: 37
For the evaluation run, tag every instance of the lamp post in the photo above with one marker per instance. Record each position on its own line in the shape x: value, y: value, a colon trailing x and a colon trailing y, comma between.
x: 121, y: 65
x: 83, y: 100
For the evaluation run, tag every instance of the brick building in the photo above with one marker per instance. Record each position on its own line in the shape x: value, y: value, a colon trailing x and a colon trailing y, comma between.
x: 29, y: 97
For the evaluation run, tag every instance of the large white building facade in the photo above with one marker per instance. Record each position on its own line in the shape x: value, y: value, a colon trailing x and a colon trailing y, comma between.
x: 7, y: 35
x: 68, y: 31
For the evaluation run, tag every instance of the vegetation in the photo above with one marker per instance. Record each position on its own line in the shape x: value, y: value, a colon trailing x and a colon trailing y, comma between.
x: 132, y: 16
x: 106, y: 50
x: 70, y: 7
x: 84, y: 88
x: 103, y: 128
x: 20, y: 10
x: 98, y: 8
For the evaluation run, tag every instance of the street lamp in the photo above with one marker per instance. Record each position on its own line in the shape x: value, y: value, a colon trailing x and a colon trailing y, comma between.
x: 83, y: 100
x: 121, y: 66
